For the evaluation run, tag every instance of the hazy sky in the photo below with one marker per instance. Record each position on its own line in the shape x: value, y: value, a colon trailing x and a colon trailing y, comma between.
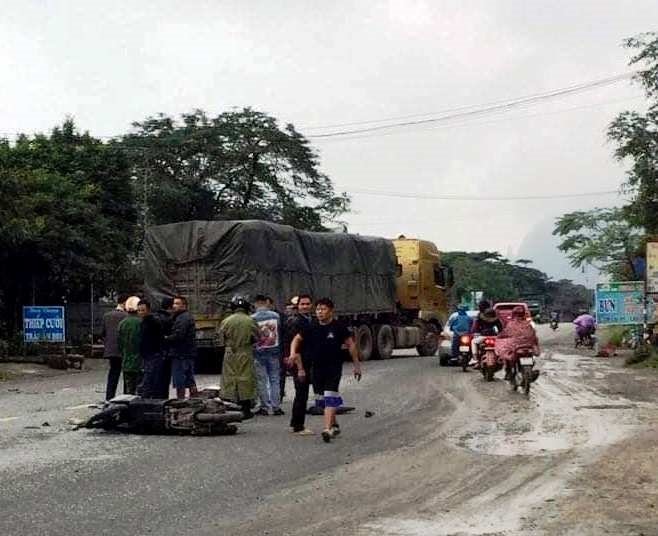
x: 319, y: 63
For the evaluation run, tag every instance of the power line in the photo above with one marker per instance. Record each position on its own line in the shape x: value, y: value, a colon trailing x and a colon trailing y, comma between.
x: 463, y: 107
x: 504, y: 106
x: 450, y: 113
x: 477, y: 122
x: 454, y: 197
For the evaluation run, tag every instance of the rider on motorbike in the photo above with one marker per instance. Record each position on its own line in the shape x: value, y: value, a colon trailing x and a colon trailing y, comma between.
x: 459, y: 324
x: 486, y: 324
x: 585, y: 325
x: 518, y: 332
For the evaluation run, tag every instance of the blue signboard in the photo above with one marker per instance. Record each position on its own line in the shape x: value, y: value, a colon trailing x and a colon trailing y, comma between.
x: 44, y: 324
x: 620, y: 303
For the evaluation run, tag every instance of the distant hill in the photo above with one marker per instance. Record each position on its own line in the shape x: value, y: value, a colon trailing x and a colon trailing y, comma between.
x: 541, y: 246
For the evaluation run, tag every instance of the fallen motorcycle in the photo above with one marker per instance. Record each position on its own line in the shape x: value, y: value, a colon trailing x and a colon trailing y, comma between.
x: 205, y: 415
x: 489, y: 363
x: 523, y: 367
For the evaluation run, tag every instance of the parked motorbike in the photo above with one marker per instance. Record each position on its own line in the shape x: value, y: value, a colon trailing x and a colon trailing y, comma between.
x: 521, y: 372
x: 465, y: 352
x: 490, y: 363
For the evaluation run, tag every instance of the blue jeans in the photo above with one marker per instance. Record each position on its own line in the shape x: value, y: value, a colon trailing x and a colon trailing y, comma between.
x: 268, y: 377
x: 455, y: 344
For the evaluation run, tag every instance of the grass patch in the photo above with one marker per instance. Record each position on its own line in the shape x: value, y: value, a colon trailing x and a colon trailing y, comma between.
x: 644, y: 357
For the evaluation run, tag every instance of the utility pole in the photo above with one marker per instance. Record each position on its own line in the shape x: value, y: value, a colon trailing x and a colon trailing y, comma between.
x: 91, y: 307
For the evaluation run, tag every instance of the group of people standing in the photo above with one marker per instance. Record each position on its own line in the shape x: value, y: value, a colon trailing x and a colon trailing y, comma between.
x: 150, y: 348
x: 261, y: 348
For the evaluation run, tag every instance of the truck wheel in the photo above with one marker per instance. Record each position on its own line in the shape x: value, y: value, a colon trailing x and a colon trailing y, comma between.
x: 363, y: 337
x: 430, y: 344
x: 384, y: 342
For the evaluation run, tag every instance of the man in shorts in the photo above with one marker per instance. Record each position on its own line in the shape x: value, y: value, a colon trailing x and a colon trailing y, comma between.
x: 324, y: 339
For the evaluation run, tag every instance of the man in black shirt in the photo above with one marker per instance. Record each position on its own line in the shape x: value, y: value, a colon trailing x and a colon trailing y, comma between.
x: 164, y: 315
x: 150, y: 349
x: 295, y: 324
x: 324, y: 341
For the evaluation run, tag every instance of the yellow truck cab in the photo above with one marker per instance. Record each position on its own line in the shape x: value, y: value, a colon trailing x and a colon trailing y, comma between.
x: 422, y: 281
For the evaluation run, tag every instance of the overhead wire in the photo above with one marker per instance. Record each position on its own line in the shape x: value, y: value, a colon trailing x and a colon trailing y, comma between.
x: 473, y: 110
x: 456, y: 197
x: 498, y: 117
x: 483, y: 110
x: 467, y: 106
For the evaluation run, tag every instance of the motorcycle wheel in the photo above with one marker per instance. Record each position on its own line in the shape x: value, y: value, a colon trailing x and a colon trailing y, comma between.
x: 526, y: 376
x: 465, y: 359
x: 489, y: 375
x: 513, y: 381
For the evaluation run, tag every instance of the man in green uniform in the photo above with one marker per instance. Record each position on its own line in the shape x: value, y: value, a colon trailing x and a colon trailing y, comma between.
x: 129, y: 340
x: 239, y: 331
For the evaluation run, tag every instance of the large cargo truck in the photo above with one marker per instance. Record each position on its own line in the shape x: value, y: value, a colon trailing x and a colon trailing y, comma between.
x: 392, y: 293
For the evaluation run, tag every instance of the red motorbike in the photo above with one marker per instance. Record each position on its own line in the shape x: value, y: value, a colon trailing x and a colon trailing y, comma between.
x: 523, y: 365
x: 489, y: 362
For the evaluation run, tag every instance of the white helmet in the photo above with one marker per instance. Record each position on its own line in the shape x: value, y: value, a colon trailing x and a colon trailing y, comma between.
x: 132, y: 303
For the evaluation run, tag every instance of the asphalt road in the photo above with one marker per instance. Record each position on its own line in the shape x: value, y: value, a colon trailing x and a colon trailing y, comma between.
x: 415, y: 467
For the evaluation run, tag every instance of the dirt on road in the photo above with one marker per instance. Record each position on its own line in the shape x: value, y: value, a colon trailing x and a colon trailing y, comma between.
x: 579, y: 457
x: 444, y: 454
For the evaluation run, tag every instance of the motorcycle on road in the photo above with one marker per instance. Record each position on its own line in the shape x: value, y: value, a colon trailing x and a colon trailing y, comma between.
x: 522, y: 373
x: 587, y: 341
x: 490, y: 363
x: 554, y: 324
x: 465, y: 352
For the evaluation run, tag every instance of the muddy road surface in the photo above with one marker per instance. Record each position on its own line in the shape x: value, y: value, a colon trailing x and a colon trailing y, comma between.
x: 443, y: 454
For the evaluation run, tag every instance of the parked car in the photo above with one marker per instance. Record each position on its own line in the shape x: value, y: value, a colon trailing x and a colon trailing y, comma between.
x: 504, y: 311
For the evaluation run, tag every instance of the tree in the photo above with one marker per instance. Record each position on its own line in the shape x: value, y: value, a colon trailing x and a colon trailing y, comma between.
x: 612, y: 238
x: 71, y: 219
x: 238, y: 165
x: 636, y: 137
x: 490, y: 272
x: 602, y: 237
x: 568, y: 298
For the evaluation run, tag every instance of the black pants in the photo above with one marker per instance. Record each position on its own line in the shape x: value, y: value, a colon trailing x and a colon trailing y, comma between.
x: 131, y: 381
x: 164, y: 379
x: 150, y: 385
x: 282, y: 379
x: 113, y: 377
x: 299, y: 404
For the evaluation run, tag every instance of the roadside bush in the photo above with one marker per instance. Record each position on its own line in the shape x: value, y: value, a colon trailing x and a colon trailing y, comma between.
x: 15, y: 346
x: 615, y: 335
x: 644, y: 356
